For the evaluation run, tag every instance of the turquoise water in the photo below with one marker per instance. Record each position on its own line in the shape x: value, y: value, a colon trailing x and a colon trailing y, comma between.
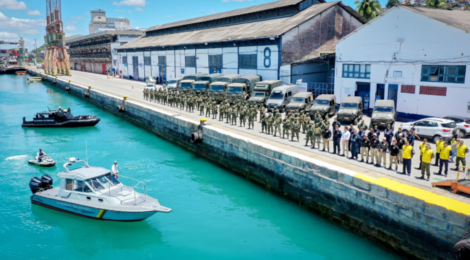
x: 216, y: 214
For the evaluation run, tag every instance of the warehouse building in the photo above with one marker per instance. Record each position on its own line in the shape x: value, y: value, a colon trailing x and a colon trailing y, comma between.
x: 417, y: 56
x: 96, y: 52
x: 286, y: 39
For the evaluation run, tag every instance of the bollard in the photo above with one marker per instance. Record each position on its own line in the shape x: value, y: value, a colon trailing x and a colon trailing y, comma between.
x: 87, y: 93
x: 122, y: 107
x: 67, y: 88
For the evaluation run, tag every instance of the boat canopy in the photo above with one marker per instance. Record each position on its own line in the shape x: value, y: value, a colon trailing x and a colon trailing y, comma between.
x: 84, y: 173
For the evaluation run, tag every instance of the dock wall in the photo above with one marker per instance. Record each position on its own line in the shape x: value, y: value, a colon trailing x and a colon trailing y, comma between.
x: 412, y: 222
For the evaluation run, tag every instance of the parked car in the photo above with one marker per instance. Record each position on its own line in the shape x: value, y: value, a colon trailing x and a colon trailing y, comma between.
x: 384, y: 114
x: 433, y: 128
x: 172, y: 84
x: 351, y: 110
x: 463, y: 123
x: 300, y: 101
x: 324, y: 104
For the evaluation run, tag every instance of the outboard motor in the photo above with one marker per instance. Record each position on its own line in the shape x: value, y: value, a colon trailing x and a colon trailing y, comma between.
x: 46, y: 182
x: 35, y: 184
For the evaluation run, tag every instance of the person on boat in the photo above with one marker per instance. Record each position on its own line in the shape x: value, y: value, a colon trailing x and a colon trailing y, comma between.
x: 40, y: 155
x: 115, y: 170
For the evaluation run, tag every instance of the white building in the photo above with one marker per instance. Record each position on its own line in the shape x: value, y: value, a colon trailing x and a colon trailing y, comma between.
x: 100, y: 22
x: 418, y: 56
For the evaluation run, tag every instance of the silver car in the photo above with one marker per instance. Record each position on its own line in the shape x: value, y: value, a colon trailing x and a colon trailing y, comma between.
x: 463, y: 123
x: 433, y: 128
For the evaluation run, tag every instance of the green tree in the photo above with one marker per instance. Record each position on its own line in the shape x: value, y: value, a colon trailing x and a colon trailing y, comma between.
x: 392, y: 3
x: 368, y: 8
x: 436, y: 3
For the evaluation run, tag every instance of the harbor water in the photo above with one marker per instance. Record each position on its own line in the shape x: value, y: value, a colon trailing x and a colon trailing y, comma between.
x: 216, y: 214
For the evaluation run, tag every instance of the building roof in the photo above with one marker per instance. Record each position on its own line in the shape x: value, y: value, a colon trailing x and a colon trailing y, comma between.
x: 246, y: 31
x: 453, y: 17
x: 236, y: 12
x: 72, y: 39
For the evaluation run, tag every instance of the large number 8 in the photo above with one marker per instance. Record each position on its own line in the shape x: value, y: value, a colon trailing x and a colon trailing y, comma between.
x: 267, y: 57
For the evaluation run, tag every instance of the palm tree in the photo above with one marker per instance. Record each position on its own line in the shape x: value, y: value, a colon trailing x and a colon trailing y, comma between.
x: 368, y: 8
x: 436, y: 3
x: 392, y: 3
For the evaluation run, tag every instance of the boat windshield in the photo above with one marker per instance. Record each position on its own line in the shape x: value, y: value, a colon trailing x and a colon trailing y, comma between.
x: 105, y: 181
x: 95, y: 184
x: 112, y: 179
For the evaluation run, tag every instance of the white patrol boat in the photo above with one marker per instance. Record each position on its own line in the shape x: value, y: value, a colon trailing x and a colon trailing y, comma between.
x: 93, y: 192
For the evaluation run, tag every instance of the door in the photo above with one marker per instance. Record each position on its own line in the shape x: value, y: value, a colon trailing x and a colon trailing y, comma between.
x: 363, y: 90
x: 135, y: 67
x: 83, y: 67
x: 380, y: 92
x: 393, y: 93
x: 421, y: 128
x: 213, y: 70
x: 103, y: 68
x: 162, y: 73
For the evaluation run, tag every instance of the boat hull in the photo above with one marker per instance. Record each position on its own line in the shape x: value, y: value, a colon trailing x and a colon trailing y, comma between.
x: 90, y: 212
x: 42, y: 164
x: 71, y: 123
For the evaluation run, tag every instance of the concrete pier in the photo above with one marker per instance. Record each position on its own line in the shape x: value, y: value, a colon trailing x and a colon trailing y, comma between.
x: 413, y: 220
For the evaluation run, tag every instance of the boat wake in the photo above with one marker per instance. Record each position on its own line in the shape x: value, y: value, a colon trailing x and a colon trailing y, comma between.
x: 16, y: 157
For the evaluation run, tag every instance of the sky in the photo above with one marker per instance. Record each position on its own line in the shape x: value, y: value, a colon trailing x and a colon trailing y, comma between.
x: 27, y: 18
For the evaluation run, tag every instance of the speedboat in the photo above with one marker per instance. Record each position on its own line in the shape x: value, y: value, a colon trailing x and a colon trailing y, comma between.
x: 46, y: 161
x: 60, y: 118
x: 93, y: 192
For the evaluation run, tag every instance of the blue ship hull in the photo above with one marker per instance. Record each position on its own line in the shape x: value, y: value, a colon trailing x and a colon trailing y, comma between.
x: 90, y: 212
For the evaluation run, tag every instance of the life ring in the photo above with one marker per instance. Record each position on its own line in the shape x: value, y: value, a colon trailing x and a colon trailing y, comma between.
x: 462, y: 250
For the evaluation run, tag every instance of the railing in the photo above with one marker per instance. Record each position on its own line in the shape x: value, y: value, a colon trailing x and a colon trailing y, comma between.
x: 139, y: 184
x: 319, y: 88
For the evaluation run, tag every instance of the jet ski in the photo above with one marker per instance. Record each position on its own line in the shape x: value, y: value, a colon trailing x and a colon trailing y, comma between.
x: 46, y: 161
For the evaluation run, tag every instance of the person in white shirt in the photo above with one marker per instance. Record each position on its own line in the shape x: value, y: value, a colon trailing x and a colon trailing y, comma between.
x: 115, y: 170
x: 344, y: 141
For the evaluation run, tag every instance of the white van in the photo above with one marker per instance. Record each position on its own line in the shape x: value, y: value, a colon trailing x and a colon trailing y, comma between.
x: 281, y: 96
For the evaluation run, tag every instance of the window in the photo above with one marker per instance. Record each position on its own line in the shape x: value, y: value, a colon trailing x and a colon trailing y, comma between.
x: 443, y: 73
x: 397, y: 74
x: 432, y: 124
x: 68, y: 184
x: 421, y: 123
x: 147, y: 61
x: 247, y: 61
x: 359, y: 71
x: 162, y: 60
x: 215, y: 61
x: 449, y: 125
x: 124, y: 60
x: 190, y: 61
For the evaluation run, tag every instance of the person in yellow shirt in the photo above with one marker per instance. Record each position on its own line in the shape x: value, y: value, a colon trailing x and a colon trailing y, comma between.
x: 427, y: 156
x: 422, y: 147
x: 439, y: 145
x: 407, y: 155
x: 462, y: 150
x: 444, y: 158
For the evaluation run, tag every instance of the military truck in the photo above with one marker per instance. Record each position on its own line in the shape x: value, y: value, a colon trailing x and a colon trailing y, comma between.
x: 211, y: 77
x: 186, y: 85
x: 384, y: 114
x: 217, y: 90
x: 351, y: 110
x: 241, y: 88
x: 300, y: 101
x: 325, y: 105
x: 262, y: 91
x: 200, y: 87
x: 227, y: 78
x: 194, y: 76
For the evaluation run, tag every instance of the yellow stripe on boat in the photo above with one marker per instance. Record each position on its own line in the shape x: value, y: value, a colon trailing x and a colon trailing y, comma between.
x: 101, y: 213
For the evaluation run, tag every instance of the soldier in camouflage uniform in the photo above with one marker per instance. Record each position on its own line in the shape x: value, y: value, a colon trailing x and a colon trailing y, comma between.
x: 295, y: 129
x: 362, y: 125
x: 242, y: 116
x: 309, y: 136
x: 251, y: 118
x: 285, y: 127
x: 208, y: 108
x: 264, y: 124
x: 234, y: 115
x: 261, y: 112
x: 145, y: 94
x: 228, y: 113
x: 317, y: 117
x: 277, y: 124
x: 221, y: 111
x: 270, y: 121
x: 201, y: 108
x: 317, y: 131
x: 301, y: 121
